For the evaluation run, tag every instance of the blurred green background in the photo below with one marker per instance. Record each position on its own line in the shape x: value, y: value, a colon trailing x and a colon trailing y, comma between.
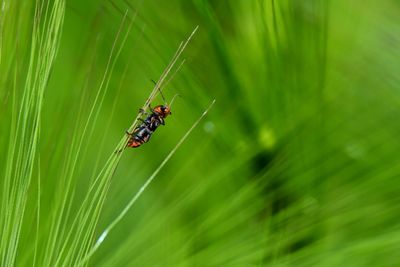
x: 297, y: 164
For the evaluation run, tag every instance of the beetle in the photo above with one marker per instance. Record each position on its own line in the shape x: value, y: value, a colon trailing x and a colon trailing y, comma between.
x: 142, y: 133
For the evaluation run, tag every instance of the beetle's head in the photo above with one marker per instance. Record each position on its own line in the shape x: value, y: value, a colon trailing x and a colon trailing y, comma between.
x: 162, y: 110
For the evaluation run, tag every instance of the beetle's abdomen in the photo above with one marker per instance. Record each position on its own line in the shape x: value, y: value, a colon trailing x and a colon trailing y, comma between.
x: 141, y: 135
x: 143, y: 132
x: 134, y: 143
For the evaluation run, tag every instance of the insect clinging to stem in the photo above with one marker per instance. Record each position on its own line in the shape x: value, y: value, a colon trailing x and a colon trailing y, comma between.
x: 142, y: 133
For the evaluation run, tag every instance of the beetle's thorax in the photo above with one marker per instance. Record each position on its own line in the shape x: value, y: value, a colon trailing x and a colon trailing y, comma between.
x: 162, y: 110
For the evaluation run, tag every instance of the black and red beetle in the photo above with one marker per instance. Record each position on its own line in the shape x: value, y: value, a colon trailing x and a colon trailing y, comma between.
x: 142, y: 133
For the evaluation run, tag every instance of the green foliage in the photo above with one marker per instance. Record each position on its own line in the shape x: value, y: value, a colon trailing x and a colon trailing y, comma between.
x: 296, y: 165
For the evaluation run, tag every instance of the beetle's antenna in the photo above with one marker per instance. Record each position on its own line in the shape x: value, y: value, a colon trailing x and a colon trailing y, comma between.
x: 170, y: 104
x: 159, y: 89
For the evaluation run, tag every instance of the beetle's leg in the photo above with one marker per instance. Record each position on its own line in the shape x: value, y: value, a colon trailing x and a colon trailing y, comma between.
x: 141, y: 111
x: 151, y: 109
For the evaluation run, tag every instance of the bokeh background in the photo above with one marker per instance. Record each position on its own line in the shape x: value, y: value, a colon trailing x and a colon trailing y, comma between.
x: 297, y: 164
